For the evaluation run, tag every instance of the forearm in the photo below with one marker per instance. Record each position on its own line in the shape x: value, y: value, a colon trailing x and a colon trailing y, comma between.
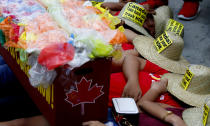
x: 130, y: 68
x: 159, y: 112
x: 151, y: 95
x: 130, y: 35
x: 113, y: 6
x: 147, y: 103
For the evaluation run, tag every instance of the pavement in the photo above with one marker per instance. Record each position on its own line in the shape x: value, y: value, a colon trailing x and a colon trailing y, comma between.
x: 196, y: 33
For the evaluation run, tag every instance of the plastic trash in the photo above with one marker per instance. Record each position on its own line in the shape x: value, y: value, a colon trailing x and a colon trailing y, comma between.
x: 39, y: 75
x: 56, y: 55
x: 81, y: 55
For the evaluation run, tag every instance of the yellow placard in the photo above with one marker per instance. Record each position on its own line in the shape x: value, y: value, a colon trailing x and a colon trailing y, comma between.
x: 162, y: 42
x: 186, y: 79
x: 205, y: 114
x: 135, y: 13
x: 175, y: 26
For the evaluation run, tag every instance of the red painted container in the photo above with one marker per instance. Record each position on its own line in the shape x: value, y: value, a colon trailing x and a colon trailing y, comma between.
x: 75, y: 96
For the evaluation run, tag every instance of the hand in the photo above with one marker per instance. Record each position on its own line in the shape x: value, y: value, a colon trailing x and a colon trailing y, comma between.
x: 132, y: 90
x: 93, y: 123
x: 179, y: 123
x: 160, y: 86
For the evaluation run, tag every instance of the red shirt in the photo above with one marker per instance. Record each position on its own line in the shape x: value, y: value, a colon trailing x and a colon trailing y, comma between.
x: 150, y: 73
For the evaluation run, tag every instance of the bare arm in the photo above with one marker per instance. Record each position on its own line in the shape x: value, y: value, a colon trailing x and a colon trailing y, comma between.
x: 131, y: 67
x: 147, y: 104
x: 130, y: 35
x: 113, y: 6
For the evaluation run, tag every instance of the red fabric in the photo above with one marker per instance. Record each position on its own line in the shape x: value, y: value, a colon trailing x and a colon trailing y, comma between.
x: 189, y: 9
x: 149, y: 74
x: 155, y: 3
x: 127, y: 46
x: 154, y: 69
x: 117, y: 13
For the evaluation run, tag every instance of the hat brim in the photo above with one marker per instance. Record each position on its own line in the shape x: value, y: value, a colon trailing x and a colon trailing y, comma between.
x: 132, y: 24
x: 144, y: 45
x: 175, y: 88
x: 163, y: 14
x: 193, y: 117
x: 136, y: 27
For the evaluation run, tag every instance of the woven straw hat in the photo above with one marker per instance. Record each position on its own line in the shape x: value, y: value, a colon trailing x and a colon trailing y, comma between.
x: 169, y: 59
x: 194, y: 116
x: 163, y: 13
x: 198, y: 89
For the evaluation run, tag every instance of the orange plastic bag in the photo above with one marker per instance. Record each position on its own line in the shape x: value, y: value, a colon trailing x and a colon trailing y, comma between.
x: 119, y: 38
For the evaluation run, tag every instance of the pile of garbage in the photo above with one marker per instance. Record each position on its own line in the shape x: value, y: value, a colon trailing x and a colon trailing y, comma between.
x: 52, y: 33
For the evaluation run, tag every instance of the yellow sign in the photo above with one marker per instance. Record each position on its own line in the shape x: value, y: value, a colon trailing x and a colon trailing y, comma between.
x: 186, y: 79
x: 162, y: 42
x: 135, y: 13
x: 205, y: 114
x: 175, y: 26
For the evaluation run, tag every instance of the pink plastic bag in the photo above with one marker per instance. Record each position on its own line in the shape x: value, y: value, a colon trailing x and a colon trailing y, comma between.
x: 56, y: 55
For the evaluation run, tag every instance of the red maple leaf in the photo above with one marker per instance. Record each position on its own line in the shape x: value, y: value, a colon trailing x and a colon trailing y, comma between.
x: 84, y: 93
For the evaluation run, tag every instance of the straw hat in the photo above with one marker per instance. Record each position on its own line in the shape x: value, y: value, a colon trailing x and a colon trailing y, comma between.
x: 170, y: 58
x: 162, y: 14
x: 198, y: 89
x: 194, y: 116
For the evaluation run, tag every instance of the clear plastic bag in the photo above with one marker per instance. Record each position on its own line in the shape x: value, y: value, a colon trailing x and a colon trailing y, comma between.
x: 94, y: 42
x: 39, y: 75
x: 81, y: 55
